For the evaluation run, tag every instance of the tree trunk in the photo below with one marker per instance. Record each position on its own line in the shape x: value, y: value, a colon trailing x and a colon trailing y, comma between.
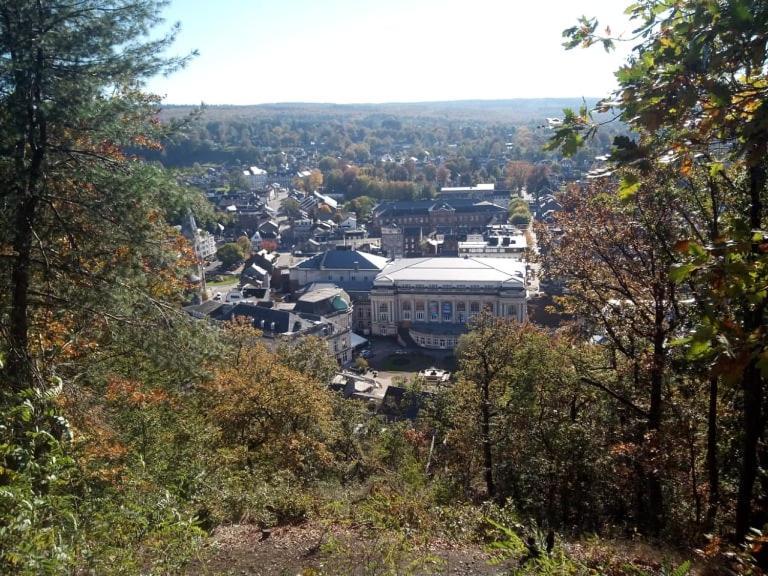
x: 29, y: 155
x: 713, y: 472
x: 753, y: 398
x: 19, y: 362
x: 752, y: 384
x: 655, y: 490
x: 486, y: 432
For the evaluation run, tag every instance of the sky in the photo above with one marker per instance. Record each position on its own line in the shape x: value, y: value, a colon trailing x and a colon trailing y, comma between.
x: 366, y: 51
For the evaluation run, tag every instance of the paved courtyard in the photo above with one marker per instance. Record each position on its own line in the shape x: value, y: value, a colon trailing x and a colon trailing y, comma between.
x: 393, y: 361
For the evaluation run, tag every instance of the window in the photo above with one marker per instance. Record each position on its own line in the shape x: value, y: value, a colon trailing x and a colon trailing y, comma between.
x: 419, y: 309
x: 383, y: 307
x: 434, y: 311
x: 461, y: 312
x: 442, y: 343
x: 447, y: 309
x: 406, y: 310
x: 474, y: 308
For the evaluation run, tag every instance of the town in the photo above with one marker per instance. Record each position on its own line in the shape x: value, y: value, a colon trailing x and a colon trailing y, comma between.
x: 390, y: 294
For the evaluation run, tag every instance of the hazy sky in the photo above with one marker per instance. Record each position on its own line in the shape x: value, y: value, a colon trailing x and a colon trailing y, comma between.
x: 256, y: 51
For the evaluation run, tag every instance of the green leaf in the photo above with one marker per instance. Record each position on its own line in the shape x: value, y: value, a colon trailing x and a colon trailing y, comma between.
x: 699, y: 349
x: 680, y: 272
x: 628, y: 186
x: 682, y: 570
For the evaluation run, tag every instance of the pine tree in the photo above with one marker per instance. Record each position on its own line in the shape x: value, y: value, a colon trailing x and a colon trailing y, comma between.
x: 77, y: 212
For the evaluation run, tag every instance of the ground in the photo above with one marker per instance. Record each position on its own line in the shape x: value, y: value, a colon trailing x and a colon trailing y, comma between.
x: 313, y: 550
x: 393, y: 361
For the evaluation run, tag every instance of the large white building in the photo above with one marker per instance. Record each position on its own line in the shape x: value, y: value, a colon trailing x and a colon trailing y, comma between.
x: 430, y: 300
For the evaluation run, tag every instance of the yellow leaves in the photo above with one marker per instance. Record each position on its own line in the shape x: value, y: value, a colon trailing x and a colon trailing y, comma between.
x: 142, y: 141
x: 110, y: 150
x: 271, y: 409
x: 128, y: 392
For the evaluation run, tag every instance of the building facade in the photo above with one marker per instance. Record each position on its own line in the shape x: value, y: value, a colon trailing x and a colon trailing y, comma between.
x: 429, y: 301
x: 455, y: 212
x: 418, y: 228
x: 501, y: 246
x: 352, y: 270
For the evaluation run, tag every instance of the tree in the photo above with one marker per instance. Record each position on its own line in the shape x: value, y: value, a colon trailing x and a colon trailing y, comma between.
x: 230, y: 254
x: 541, y: 435
x: 309, y: 355
x: 327, y: 163
x: 615, y: 258
x: 483, y: 356
x: 92, y: 272
x: 68, y: 78
x: 244, y: 243
x: 361, y: 364
x: 517, y: 173
x: 279, y: 414
x: 537, y: 180
x: 361, y: 206
x: 291, y: 209
x: 694, y: 90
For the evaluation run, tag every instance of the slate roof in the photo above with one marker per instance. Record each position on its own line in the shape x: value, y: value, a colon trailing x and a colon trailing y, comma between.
x: 426, y: 206
x: 341, y: 259
x: 213, y: 309
x: 285, y: 321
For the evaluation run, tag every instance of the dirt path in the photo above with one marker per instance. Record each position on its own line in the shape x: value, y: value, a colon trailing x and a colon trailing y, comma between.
x: 313, y: 550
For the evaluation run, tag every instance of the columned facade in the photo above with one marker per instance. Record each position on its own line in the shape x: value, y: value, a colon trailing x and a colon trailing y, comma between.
x: 434, y: 298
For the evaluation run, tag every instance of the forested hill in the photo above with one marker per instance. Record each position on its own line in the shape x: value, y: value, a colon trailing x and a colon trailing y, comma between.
x: 519, y: 110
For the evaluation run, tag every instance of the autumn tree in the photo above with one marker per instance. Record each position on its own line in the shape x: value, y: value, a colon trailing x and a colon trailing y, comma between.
x: 539, y: 433
x: 694, y: 92
x: 291, y: 208
x: 616, y: 260
x: 538, y: 180
x: 516, y: 174
x: 280, y: 415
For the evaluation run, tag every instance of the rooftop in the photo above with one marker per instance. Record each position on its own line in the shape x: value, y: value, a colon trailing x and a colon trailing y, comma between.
x: 343, y: 259
x: 501, y: 271
x: 425, y: 206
